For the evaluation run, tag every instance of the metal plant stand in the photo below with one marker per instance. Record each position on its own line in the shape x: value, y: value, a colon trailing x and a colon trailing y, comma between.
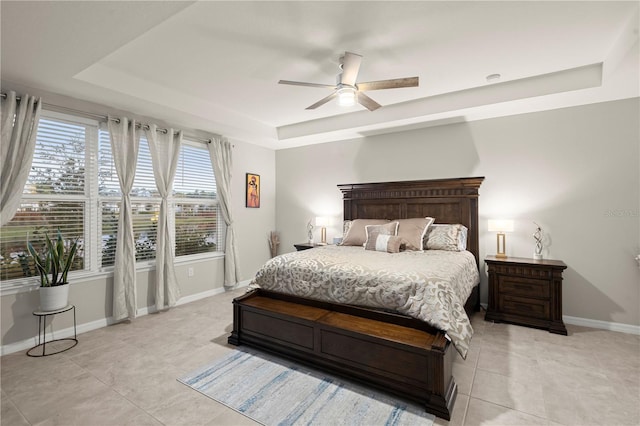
x: 42, y: 325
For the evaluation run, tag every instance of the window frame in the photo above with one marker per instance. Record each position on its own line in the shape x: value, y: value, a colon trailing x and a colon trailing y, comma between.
x: 93, y: 213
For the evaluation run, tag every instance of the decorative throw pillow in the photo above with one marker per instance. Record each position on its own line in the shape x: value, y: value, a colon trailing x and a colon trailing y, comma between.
x: 346, y: 225
x: 356, y: 235
x: 413, y: 231
x: 372, y: 231
x: 446, y: 237
x: 385, y: 243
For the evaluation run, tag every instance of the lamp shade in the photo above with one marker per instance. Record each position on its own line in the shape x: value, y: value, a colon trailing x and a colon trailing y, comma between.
x: 501, y: 225
x: 322, y: 221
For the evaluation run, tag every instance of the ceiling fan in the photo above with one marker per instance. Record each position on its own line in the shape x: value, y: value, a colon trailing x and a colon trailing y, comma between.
x: 348, y: 91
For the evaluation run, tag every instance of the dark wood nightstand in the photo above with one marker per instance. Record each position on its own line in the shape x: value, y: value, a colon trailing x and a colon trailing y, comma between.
x: 526, y: 292
x: 307, y: 246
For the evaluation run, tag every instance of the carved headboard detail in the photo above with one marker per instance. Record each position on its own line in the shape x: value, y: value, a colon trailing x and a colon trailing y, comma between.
x: 447, y: 200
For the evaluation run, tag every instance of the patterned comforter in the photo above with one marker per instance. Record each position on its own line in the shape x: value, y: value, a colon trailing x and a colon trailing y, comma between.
x: 431, y: 286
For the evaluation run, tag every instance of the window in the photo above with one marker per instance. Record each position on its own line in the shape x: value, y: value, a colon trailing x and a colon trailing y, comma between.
x: 145, y: 201
x: 73, y: 186
x: 54, y: 197
x: 196, y: 206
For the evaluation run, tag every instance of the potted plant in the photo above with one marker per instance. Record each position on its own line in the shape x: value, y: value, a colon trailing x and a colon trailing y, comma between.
x: 53, y: 266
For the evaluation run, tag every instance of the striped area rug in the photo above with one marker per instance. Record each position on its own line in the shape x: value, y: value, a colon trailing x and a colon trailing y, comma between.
x: 273, y: 391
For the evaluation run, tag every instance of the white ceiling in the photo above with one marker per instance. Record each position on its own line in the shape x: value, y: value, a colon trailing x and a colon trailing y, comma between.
x: 214, y: 65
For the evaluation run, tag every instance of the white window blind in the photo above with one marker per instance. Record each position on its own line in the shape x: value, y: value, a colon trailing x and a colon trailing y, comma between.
x: 73, y: 186
x: 144, y: 184
x: 54, y: 198
x: 194, y: 174
x: 145, y: 203
x: 58, y: 165
x: 145, y: 222
x: 196, y: 208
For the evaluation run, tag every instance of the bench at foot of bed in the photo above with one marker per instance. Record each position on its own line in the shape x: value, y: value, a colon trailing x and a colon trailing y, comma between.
x: 395, y: 353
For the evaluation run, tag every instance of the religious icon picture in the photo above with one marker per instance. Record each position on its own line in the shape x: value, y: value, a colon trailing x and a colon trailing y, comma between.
x: 253, y: 190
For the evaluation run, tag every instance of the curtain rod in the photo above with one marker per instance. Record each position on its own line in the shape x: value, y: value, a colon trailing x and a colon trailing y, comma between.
x: 100, y: 117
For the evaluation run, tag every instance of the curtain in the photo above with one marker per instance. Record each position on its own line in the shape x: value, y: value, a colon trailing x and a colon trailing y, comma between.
x: 221, y: 159
x: 125, y: 142
x: 19, y: 129
x: 165, y: 153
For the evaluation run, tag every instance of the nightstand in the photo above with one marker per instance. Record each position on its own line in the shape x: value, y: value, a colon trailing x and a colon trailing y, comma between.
x: 307, y: 246
x: 526, y: 292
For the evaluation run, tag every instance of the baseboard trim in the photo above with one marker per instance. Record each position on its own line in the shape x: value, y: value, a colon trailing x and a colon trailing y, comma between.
x: 56, y: 334
x: 94, y: 325
x: 603, y: 325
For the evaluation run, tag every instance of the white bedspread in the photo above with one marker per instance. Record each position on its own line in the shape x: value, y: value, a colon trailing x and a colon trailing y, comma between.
x: 431, y: 286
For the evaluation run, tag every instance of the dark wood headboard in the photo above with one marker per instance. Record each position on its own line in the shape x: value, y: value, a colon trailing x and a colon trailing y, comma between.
x: 447, y: 200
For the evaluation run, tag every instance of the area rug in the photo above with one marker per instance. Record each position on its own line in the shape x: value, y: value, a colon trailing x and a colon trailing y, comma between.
x: 273, y: 391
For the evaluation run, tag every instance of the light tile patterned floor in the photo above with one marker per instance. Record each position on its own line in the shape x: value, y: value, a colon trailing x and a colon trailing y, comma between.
x: 126, y: 375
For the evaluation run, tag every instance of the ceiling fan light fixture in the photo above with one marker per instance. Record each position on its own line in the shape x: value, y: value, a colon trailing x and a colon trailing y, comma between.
x: 346, y: 96
x: 348, y: 91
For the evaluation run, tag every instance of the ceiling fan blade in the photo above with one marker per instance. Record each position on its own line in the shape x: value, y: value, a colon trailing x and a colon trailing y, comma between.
x: 323, y: 101
x: 350, y: 67
x: 388, y: 84
x: 367, y: 102
x: 299, y: 83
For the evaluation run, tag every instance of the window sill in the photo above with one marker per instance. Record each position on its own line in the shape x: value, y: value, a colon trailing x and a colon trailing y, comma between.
x: 25, y: 285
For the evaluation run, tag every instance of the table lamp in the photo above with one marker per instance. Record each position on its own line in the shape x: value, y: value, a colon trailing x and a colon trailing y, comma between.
x: 322, y: 221
x: 500, y: 226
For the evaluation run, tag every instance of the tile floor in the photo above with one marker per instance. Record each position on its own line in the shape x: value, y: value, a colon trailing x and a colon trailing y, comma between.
x: 126, y: 374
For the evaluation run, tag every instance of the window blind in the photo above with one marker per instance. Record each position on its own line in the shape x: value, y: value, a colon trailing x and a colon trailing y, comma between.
x: 73, y: 186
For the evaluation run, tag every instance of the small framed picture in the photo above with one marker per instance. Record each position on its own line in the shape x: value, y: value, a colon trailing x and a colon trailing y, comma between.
x: 253, y: 190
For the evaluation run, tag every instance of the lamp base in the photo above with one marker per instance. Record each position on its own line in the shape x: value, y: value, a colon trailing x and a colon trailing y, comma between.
x: 501, y: 246
x: 537, y: 256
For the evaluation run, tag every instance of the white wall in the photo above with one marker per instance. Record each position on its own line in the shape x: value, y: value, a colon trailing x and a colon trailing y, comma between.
x: 253, y: 225
x: 93, y: 297
x: 575, y: 171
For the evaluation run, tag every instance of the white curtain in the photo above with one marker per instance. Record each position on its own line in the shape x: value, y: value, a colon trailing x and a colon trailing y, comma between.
x: 165, y: 152
x: 19, y: 128
x: 221, y: 159
x: 125, y: 142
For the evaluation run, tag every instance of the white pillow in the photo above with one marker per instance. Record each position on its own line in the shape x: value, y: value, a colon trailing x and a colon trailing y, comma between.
x: 384, y: 243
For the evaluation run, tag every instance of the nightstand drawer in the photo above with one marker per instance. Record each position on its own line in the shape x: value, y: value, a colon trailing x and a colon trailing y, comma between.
x: 526, y: 287
x: 535, y: 308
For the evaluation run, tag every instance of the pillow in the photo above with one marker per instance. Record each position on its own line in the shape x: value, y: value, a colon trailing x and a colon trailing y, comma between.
x: 386, y: 243
x: 346, y: 225
x: 372, y: 231
x: 413, y: 231
x: 356, y: 235
x: 446, y: 237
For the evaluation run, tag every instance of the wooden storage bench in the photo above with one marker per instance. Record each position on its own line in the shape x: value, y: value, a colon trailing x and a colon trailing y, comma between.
x: 393, y: 352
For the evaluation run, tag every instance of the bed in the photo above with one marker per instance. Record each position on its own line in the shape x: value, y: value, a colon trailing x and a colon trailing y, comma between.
x: 385, y: 348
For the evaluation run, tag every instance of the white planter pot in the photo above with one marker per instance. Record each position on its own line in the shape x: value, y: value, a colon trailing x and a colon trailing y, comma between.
x: 54, y: 298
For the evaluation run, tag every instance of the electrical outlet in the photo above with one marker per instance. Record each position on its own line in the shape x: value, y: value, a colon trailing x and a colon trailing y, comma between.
x: 190, y: 272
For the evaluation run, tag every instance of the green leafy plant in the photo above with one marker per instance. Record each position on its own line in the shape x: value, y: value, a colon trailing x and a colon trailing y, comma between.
x: 55, y: 262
